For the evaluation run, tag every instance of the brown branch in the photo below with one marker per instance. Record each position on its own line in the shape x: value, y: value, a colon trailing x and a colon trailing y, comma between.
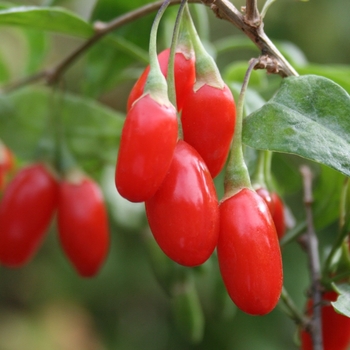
x: 274, y: 61
x: 52, y: 75
x: 271, y: 60
x: 252, y: 16
x: 314, y: 262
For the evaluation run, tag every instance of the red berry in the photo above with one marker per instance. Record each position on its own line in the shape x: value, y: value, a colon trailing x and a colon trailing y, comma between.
x: 83, y: 225
x: 137, y: 90
x: 146, y: 148
x: 276, y: 208
x: 183, y: 214
x: 335, y: 327
x: 249, y: 254
x: 278, y: 215
x: 26, y: 209
x: 184, y: 77
x: 208, y: 122
x: 266, y: 196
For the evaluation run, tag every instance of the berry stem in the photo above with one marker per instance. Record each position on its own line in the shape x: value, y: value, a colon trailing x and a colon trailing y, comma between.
x: 259, y: 175
x: 207, y: 71
x: 156, y: 84
x: 267, y: 169
x: 153, y: 37
x: 237, y: 175
x: 63, y: 158
x: 171, y: 64
x: 292, y: 309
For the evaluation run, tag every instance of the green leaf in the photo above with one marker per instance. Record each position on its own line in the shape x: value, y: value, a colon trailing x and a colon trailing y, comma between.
x: 92, y: 129
x: 52, y: 19
x: 5, y: 5
x: 38, y: 47
x: 106, y: 10
x: 337, y: 72
x: 106, y: 64
x: 342, y: 304
x: 309, y: 117
x: 327, y: 192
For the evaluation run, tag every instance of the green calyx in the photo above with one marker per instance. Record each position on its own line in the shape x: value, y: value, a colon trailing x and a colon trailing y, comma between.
x: 184, y: 43
x: 156, y: 84
x: 207, y: 72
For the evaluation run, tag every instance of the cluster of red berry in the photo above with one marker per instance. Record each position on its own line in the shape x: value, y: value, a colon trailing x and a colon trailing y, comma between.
x: 172, y: 172
x: 28, y: 205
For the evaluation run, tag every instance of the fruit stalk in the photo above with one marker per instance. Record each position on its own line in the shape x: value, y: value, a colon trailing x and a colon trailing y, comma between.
x: 237, y: 175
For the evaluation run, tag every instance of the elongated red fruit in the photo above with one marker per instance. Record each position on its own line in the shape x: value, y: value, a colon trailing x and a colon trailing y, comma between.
x: 146, y: 149
x: 265, y: 194
x: 276, y: 208
x: 335, y: 327
x: 137, y: 90
x: 26, y: 209
x: 183, y: 214
x: 83, y: 225
x: 249, y: 253
x: 208, y: 122
x: 278, y: 215
x: 184, y: 77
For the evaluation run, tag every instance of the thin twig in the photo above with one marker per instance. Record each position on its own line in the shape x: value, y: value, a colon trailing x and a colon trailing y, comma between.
x: 314, y: 261
x: 292, y: 310
x: 53, y: 74
x: 252, y: 16
x: 274, y: 61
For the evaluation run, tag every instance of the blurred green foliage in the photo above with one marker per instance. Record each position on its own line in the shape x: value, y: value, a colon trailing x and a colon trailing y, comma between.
x: 45, y: 305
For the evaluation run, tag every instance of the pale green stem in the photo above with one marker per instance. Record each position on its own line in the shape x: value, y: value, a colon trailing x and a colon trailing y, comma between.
x: 156, y: 83
x: 207, y: 71
x: 237, y: 175
x: 267, y: 5
x: 171, y: 65
x: 292, y: 310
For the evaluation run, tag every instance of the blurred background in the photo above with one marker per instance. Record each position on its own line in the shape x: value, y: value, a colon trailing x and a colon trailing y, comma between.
x: 46, y: 305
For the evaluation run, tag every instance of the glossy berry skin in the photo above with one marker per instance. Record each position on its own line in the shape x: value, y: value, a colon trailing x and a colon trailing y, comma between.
x: 249, y: 254
x: 183, y: 214
x: 184, y: 69
x: 83, y: 225
x: 276, y: 208
x: 335, y: 327
x: 26, y: 210
x: 266, y: 196
x: 137, y: 90
x: 146, y: 149
x: 278, y: 215
x: 208, y: 122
